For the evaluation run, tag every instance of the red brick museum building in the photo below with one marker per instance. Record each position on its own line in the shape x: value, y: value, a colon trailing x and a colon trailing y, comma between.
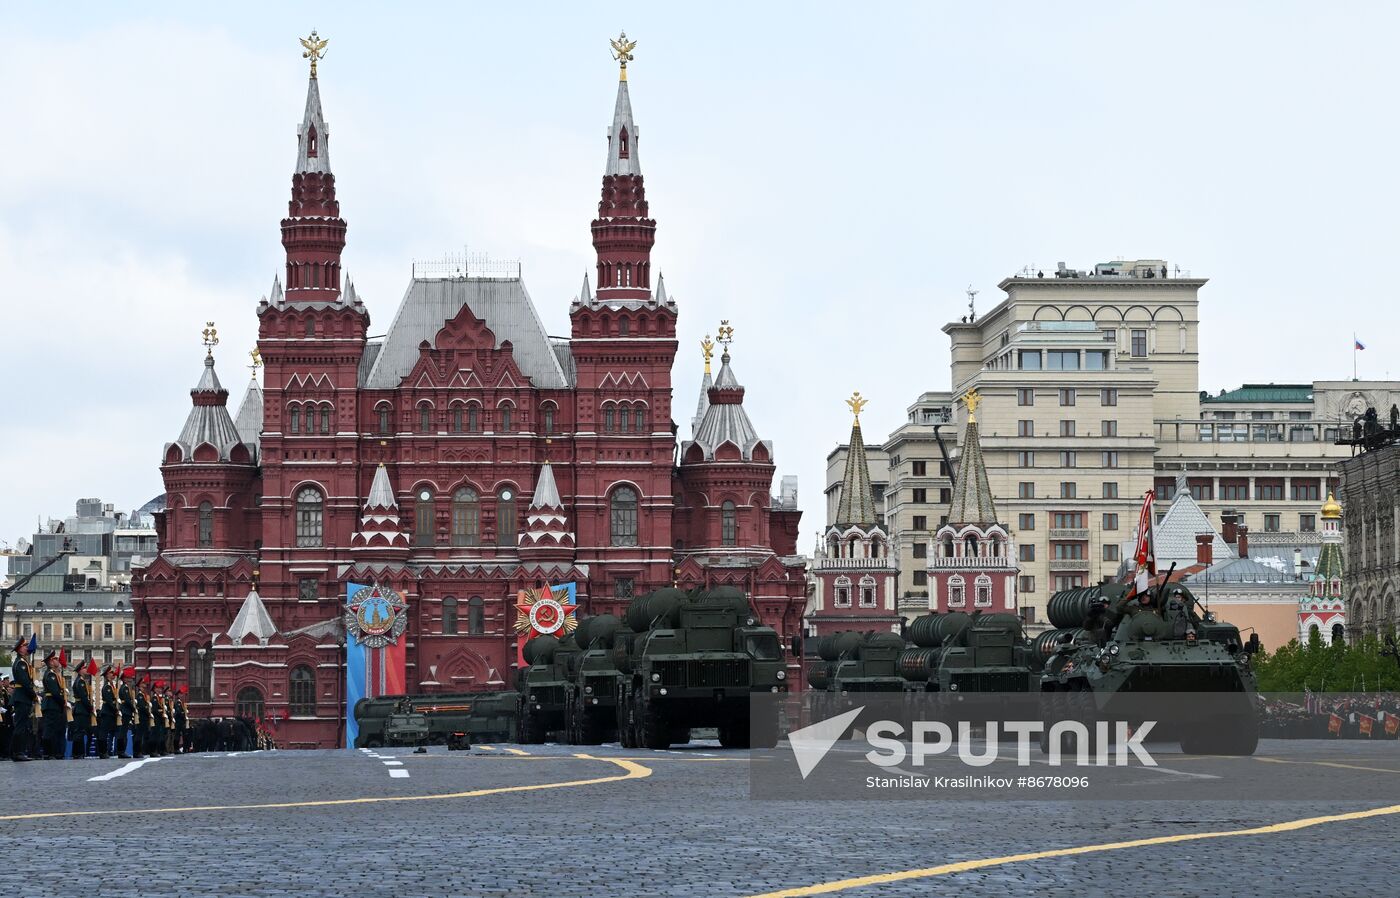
x: 463, y: 456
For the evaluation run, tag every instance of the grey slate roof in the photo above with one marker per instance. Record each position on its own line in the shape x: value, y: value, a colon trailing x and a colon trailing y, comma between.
x: 252, y: 619
x: 209, y: 423
x: 1241, y: 570
x: 249, y: 420
x: 703, y: 405
x: 27, y: 601
x: 546, y: 490
x: 502, y: 303
x: 972, y: 494
x: 321, y: 162
x: 381, y: 493
x: 1174, y: 539
x: 622, y: 118
x: 726, y: 421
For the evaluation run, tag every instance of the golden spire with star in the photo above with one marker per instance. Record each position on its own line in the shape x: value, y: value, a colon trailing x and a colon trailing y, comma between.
x: 315, y: 49
x: 972, y: 399
x: 622, y: 51
x: 856, y: 403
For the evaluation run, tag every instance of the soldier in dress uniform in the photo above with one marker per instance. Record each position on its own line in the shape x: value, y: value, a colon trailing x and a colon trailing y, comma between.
x: 23, y: 697
x: 81, y: 728
x: 160, y: 726
x: 7, y: 714
x: 109, y: 716
x: 182, y: 722
x: 141, y: 739
x: 126, y: 695
x: 55, y: 708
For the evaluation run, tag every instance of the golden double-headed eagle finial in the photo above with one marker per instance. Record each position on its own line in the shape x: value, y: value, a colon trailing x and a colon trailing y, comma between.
x: 856, y: 403
x: 972, y: 399
x: 211, y: 337
x: 315, y: 49
x: 622, y: 51
x: 707, y: 349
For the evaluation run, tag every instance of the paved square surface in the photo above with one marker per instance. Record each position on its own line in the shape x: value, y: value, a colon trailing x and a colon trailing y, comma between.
x: 565, y: 821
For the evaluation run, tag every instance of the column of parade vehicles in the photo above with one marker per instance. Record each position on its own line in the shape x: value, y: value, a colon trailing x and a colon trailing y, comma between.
x: 679, y: 662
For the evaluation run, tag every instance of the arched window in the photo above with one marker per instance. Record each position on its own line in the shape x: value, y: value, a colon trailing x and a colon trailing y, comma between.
x: 325, y: 419
x: 311, y: 148
x: 311, y: 510
x: 639, y: 419
x: 947, y: 547
x: 957, y: 595
x: 505, y: 517
x: 843, y: 592
x: 250, y: 703
x: 294, y: 417
x: 449, y: 616
x: 466, y: 517
x: 970, y: 546
x: 624, y: 516
x: 206, y: 524
x: 423, y: 517
x: 384, y: 413
x: 311, y: 327
x: 1314, y: 632
x: 425, y: 418
x: 505, y: 411
x: 301, y: 697
x: 476, y: 616
x: 624, y: 325
x: 608, y: 412
x: 457, y: 418
x: 473, y: 418
x: 1338, y: 634
x: 622, y: 148
x: 199, y: 661
x: 624, y: 417
x: 728, y: 524
x: 547, y: 417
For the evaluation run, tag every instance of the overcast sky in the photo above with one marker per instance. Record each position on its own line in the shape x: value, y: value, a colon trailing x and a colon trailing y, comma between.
x: 829, y: 177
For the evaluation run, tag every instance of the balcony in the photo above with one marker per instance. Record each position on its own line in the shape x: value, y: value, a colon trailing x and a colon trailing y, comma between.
x: 965, y: 562
x: 854, y: 563
x: 1069, y: 564
x: 1069, y: 533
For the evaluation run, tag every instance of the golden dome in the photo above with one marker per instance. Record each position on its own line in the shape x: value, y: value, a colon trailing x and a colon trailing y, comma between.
x: 1331, y: 508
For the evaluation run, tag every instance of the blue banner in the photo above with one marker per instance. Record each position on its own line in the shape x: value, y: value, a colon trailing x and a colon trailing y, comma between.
x: 356, y: 672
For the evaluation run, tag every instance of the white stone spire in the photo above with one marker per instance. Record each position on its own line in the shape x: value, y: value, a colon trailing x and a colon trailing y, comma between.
x: 381, y: 493
x: 623, y: 137
x: 252, y: 619
x: 546, y: 490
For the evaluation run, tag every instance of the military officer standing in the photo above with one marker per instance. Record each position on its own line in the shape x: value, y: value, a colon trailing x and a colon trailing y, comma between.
x: 55, y: 708
x: 23, y: 697
x: 126, y: 694
x: 159, y: 724
x: 109, y: 715
x: 81, y: 728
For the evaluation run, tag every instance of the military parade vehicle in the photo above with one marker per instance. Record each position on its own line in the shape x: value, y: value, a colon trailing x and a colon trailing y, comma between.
x: 547, y: 687
x: 406, y: 728
x: 694, y: 661
x: 453, y: 719
x: 959, y: 657
x: 593, y: 715
x: 1153, y: 654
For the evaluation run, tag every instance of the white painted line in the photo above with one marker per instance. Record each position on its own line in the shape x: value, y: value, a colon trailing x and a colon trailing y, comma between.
x: 399, y: 774
x: 123, y: 770
x: 393, y: 763
x: 233, y: 754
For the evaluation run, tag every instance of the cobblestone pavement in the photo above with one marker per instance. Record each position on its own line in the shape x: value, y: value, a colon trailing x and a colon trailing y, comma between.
x: 542, y: 821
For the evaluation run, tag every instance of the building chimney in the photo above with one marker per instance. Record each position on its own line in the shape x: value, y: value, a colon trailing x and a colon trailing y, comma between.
x: 1242, y: 541
x: 1227, y: 528
x: 1205, y: 548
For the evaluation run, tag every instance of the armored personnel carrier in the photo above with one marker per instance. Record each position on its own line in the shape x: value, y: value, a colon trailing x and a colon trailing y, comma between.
x: 1120, y: 654
x: 694, y: 661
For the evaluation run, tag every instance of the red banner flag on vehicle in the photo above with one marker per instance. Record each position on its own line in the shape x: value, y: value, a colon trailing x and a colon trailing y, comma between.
x: 1392, y: 725
x: 1367, y: 722
x: 1334, y: 725
x: 1144, y: 554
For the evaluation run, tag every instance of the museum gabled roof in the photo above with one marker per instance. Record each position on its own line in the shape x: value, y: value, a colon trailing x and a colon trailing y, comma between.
x: 502, y: 303
x: 725, y: 420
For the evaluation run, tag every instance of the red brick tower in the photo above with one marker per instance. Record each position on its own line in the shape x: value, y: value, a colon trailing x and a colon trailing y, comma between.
x: 623, y: 347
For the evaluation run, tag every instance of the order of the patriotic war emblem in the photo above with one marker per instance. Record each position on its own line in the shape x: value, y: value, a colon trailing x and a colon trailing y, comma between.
x: 375, y: 616
x: 542, y: 613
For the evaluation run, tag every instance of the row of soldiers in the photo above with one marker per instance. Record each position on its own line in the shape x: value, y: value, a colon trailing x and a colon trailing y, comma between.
x: 123, y: 713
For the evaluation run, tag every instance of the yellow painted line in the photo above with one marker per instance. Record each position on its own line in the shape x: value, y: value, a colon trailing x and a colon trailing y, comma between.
x: 632, y: 771
x: 840, y: 885
x: 1337, y: 764
x: 485, y: 747
x: 517, y: 751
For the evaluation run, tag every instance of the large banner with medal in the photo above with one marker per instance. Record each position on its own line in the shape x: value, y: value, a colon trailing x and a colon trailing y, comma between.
x: 375, y: 620
x: 552, y: 611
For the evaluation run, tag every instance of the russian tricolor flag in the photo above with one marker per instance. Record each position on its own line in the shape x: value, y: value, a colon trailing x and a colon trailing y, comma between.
x: 1359, y: 344
x: 370, y: 672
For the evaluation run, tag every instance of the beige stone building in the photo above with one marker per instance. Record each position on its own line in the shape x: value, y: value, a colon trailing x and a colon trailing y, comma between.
x: 1090, y: 398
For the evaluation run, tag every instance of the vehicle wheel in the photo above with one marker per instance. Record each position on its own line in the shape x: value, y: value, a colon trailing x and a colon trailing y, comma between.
x: 734, y: 733
x: 652, y: 731
x: 374, y: 743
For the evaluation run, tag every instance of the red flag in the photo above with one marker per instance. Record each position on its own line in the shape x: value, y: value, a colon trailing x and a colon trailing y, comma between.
x: 1366, y: 722
x: 92, y: 667
x: 62, y: 658
x: 1392, y: 725
x: 1334, y: 725
x: 1144, y: 554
